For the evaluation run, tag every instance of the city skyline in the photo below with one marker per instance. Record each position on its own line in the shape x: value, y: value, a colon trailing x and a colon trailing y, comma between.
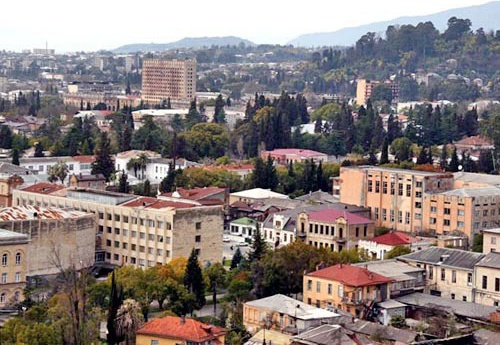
x: 108, y: 25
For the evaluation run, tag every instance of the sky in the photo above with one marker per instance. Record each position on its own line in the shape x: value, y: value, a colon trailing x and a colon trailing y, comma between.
x: 92, y: 25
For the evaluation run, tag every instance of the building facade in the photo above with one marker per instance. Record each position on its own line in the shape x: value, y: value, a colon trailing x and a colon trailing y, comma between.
x: 163, y: 79
x: 491, y: 240
x: 333, y: 229
x: 139, y: 231
x: 345, y: 287
x: 13, y: 269
x: 487, y: 280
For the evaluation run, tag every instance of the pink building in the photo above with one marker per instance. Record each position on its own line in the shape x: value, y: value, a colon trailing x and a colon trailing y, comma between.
x: 285, y: 156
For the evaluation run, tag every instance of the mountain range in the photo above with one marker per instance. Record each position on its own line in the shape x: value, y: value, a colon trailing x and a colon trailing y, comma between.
x: 482, y: 16
x: 187, y: 42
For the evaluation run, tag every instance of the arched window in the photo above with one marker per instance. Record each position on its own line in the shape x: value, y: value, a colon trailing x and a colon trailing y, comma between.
x: 18, y: 258
x: 4, y: 259
x: 17, y: 296
x: 2, y: 298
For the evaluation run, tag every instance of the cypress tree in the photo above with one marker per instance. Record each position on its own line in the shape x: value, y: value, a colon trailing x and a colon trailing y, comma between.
x: 237, y: 257
x: 103, y: 162
x: 39, y: 150
x: 15, y: 156
x: 444, y: 157
x: 193, y: 279
x: 384, y: 155
x: 123, y: 185
x: 453, y: 166
x: 259, y: 246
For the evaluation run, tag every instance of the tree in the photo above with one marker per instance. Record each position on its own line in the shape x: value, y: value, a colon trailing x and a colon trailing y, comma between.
x: 39, y: 150
x: 103, y: 163
x: 384, y: 155
x: 115, y: 300
x: 219, y: 114
x: 477, y: 243
x: 454, y: 164
x: 123, y: 186
x: 58, y: 171
x: 237, y: 257
x: 193, y: 280
x: 258, y: 247
x: 15, y: 156
x: 486, y: 162
x: 217, y: 278
x: 401, y: 148
x: 168, y: 183
x: 128, y: 320
x: 397, y: 251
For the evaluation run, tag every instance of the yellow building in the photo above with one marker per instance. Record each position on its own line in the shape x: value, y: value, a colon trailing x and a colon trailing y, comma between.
x: 13, y: 266
x: 279, y: 312
x: 450, y: 272
x: 345, y: 287
x: 491, y: 240
x: 395, y: 196
x: 333, y: 229
x: 173, y: 330
x: 163, y: 79
x: 139, y: 231
x: 487, y: 280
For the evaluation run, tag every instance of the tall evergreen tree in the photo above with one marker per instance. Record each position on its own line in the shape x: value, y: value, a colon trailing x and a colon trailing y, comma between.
x: 103, y: 163
x: 259, y: 246
x: 237, y: 257
x: 485, y: 163
x: 271, y: 176
x: 39, y: 150
x: 15, y: 156
x: 259, y: 174
x: 115, y: 301
x: 193, y: 279
x: 443, y: 160
x: 168, y: 183
x: 453, y: 166
x: 123, y: 186
x: 384, y: 155
x: 422, y: 156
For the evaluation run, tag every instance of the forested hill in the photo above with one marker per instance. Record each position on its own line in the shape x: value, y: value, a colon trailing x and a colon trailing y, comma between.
x: 187, y: 42
x: 482, y: 16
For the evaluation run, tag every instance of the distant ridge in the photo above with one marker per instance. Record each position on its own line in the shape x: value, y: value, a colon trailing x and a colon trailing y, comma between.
x: 485, y: 16
x: 187, y: 42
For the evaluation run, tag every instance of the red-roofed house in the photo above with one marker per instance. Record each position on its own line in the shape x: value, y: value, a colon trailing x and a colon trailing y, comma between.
x: 345, y: 287
x: 334, y: 229
x: 199, y: 196
x: 378, y: 246
x: 43, y: 188
x: 172, y: 330
x: 285, y: 156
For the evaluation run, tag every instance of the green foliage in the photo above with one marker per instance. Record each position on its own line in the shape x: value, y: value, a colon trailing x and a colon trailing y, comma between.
x: 477, y: 244
x: 236, y: 260
x: 58, y: 171
x: 259, y: 246
x: 381, y: 231
x: 103, y: 163
x: 397, y: 251
x: 193, y: 280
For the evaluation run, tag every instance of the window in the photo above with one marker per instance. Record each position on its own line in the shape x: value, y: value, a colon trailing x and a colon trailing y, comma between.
x: 400, y: 217
x: 418, y: 216
x: 117, y: 244
x: 357, y: 232
x: 4, y: 278
x: 393, y: 188
x: 168, y: 225
x: 133, y: 233
x: 469, y: 278
x: 443, y: 274
x: 418, y: 184
x: 330, y: 288
x: 453, y: 276
x: 4, y: 259
x: 497, y: 284
x: 197, y: 238
x: 198, y: 225
x: 407, y: 217
x: 418, y: 194
x: 377, y: 186
x: 485, y: 213
x: 418, y: 204
x: 433, y: 220
x: 155, y: 342
x: 116, y: 257
x: 464, y: 298
x: 151, y: 237
x: 446, y: 222
x: 461, y: 212
x: 376, y: 213
x: 447, y: 210
x: 433, y: 209
x: 318, y: 286
x: 142, y: 235
x: 18, y: 258
x: 485, y: 282
x: 365, y: 231
x: 370, y: 186
x: 392, y: 215
x: 3, y: 299
x: 384, y: 214
x: 400, y: 189
x: 341, y: 290
x: 117, y: 217
x: 108, y: 243
x: 309, y: 284
x: 18, y: 277
x: 493, y: 240
x: 408, y: 190
x: 460, y: 224
x: 125, y: 219
x: 452, y: 296
x: 384, y: 187
x: 117, y: 231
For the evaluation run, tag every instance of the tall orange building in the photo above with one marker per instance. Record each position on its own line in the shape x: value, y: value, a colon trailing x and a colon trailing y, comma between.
x: 163, y: 79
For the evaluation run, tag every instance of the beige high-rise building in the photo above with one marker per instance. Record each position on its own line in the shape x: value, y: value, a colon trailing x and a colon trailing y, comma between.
x: 163, y: 79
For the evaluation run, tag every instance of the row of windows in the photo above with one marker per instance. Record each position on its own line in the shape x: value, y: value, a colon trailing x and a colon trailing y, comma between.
x: 392, y: 215
x: 5, y: 259
x: 142, y: 221
x: 392, y: 191
x: 485, y: 283
x: 340, y: 289
x: 133, y: 234
x: 17, y: 277
x: 3, y: 297
x: 453, y: 275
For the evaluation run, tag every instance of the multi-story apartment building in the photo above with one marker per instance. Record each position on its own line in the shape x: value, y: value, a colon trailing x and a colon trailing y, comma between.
x: 468, y: 210
x: 13, y: 269
x: 395, y: 196
x: 334, y: 229
x: 163, y: 79
x: 365, y: 88
x: 346, y: 287
x: 450, y: 272
x: 138, y: 231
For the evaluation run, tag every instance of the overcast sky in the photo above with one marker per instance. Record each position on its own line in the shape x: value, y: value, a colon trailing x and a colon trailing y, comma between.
x: 107, y: 24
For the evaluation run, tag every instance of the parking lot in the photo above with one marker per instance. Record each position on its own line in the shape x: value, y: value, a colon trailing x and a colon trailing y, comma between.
x: 231, y: 245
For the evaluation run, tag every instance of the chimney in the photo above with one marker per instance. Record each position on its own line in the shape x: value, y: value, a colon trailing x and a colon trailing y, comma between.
x: 340, y: 265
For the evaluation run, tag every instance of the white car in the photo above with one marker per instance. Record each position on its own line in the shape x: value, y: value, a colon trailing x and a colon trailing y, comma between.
x: 226, y: 239
x: 241, y: 244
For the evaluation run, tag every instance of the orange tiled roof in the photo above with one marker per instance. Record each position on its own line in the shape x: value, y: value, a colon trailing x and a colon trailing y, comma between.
x: 350, y: 275
x: 195, y: 193
x: 84, y: 159
x: 394, y: 239
x: 183, y: 329
x: 43, y: 188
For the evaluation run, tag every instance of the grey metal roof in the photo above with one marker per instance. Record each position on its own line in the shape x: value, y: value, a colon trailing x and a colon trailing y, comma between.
x: 490, y: 260
x: 290, y: 306
x: 493, y: 231
x: 472, y: 192
x: 393, y: 269
x: 386, y: 332
x: 492, y: 180
x: 444, y: 257
x: 460, y: 308
x: 325, y: 335
x: 10, y: 169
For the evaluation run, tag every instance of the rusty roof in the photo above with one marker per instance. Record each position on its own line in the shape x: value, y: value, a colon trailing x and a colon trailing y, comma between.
x: 36, y: 212
x: 43, y: 188
x: 156, y: 203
